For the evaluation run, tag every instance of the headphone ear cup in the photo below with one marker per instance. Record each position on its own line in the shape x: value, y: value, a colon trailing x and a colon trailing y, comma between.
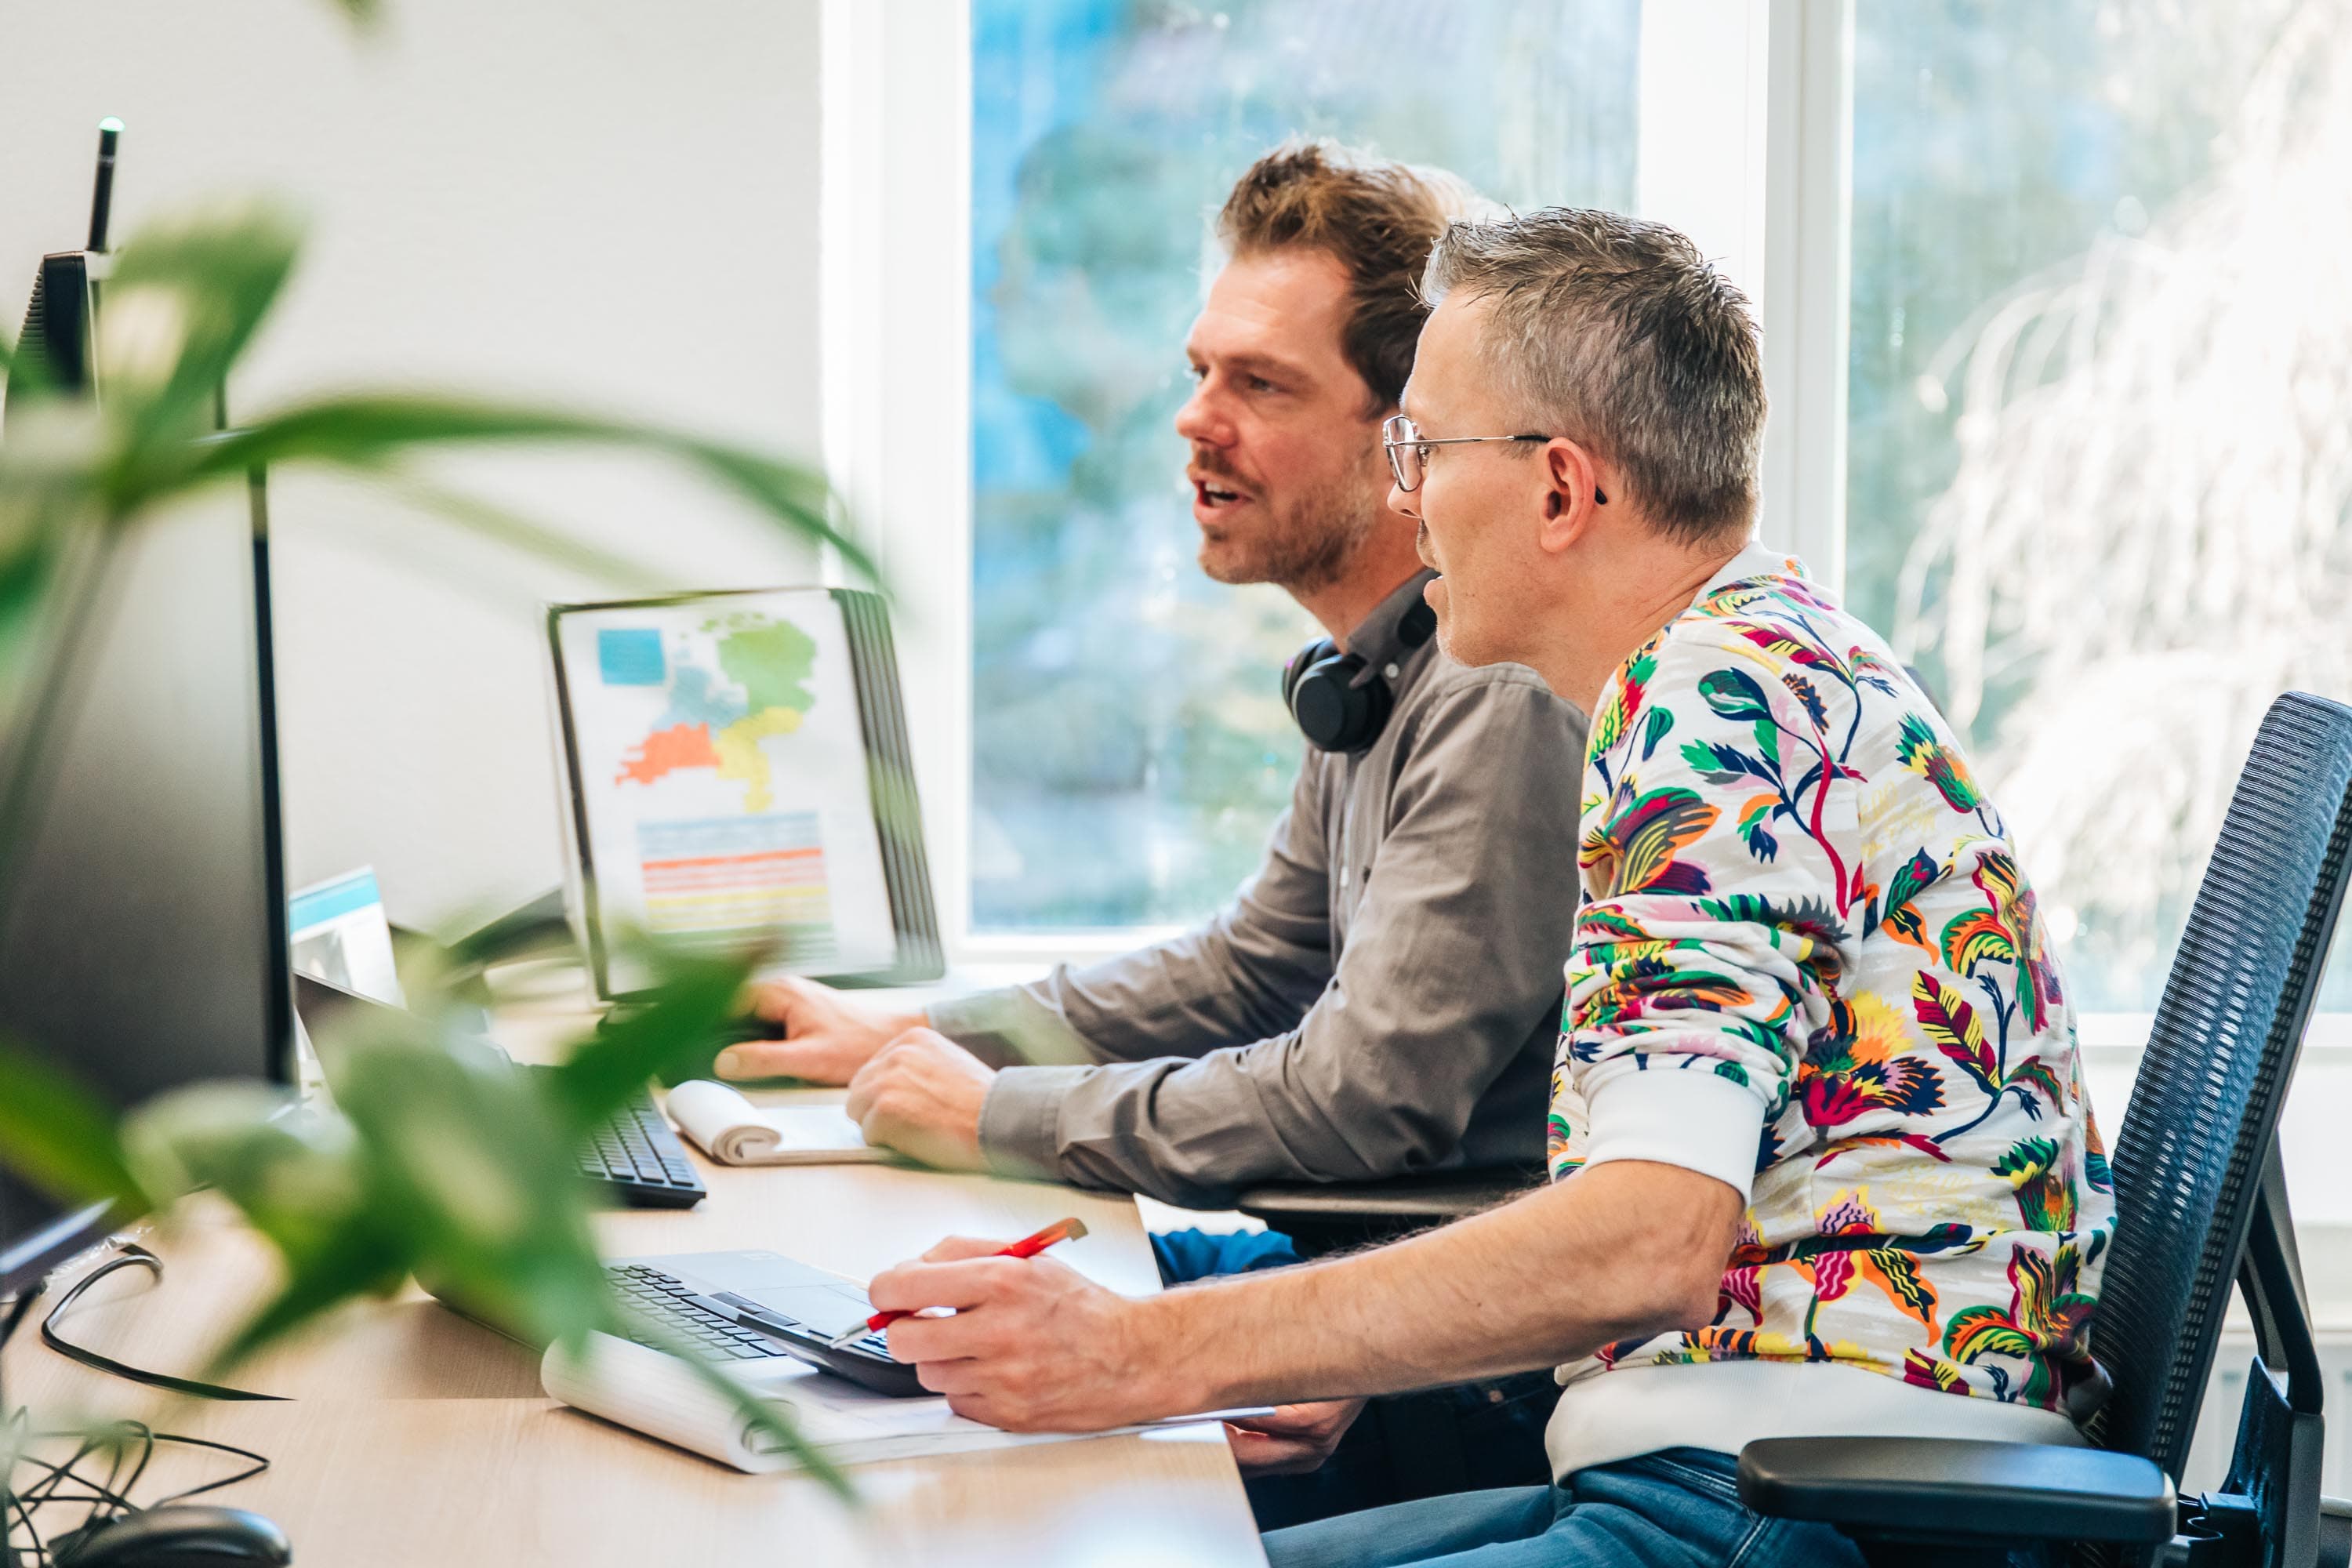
x: 1334, y: 713
x: 1305, y: 659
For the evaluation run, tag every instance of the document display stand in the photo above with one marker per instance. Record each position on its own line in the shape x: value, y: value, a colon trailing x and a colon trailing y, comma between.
x: 737, y: 770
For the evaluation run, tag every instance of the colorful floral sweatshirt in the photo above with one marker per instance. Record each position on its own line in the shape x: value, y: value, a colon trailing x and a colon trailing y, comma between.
x: 1810, y: 964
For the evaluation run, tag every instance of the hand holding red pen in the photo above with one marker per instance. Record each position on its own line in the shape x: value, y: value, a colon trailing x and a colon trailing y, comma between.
x: 1027, y: 1247
x: 1031, y: 1346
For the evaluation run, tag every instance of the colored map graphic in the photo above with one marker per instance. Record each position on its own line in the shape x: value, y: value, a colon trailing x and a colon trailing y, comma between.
x: 716, y: 718
x: 728, y: 686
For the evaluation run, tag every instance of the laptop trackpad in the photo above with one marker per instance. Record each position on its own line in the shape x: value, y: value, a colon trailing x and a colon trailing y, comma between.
x: 825, y: 1302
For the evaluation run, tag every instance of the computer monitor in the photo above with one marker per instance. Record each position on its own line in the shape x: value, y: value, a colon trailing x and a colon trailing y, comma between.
x: 53, y: 353
x: 142, y: 903
x: 142, y: 889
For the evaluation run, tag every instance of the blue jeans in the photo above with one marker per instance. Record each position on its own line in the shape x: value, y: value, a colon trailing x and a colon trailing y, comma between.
x: 1678, y: 1509
x: 1406, y: 1446
x: 1187, y: 1255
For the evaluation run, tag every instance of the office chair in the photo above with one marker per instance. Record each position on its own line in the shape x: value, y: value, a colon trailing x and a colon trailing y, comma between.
x: 2200, y: 1198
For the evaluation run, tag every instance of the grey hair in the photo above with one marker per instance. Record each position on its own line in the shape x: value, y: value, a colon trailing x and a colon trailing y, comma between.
x: 1617, y: 334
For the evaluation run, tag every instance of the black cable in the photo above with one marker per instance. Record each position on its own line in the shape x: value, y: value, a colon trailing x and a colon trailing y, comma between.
x: 129, y: 1444
x: 134, y: 1257
x: 16, y: 1313
x: 125, y: 1446
x: 20, y: 1309
x: 260, y: 1463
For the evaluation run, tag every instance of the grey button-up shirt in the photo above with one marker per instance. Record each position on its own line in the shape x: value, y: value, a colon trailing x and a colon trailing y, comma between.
x: 1381, y: 998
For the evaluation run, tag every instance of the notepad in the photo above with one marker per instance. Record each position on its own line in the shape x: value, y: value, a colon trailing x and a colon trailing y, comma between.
x: 656, y: 1394
x: 734, y: 1132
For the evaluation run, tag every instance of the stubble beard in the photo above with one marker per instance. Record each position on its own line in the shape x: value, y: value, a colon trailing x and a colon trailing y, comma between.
x: 1309, y: 547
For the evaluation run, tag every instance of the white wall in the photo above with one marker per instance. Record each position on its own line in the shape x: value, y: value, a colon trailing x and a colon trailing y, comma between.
x: 605, y: 201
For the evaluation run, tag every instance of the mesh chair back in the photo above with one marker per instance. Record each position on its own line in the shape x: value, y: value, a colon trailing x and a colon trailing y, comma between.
x: 2223, y: 1049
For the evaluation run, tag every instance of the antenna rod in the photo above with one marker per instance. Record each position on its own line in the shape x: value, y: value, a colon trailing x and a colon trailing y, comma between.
x: 110, y: 131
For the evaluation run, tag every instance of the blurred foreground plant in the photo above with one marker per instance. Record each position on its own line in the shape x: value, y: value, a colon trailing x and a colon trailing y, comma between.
x: 183, y: 303
x: 435, y: 1158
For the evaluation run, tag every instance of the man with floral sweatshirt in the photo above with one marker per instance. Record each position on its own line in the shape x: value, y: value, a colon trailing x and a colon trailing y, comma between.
x: 1823, y: 1160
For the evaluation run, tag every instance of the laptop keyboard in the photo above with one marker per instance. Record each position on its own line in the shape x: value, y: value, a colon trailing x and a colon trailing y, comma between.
x: 664, y: 1299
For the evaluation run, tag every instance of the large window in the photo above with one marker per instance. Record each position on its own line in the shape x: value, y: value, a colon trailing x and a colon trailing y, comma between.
x: 1129, y: 746
x: 2094, y: 451
x: 2100, y: 450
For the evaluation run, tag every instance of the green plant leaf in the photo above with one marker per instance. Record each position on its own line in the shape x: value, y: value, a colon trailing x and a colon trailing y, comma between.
x: 764, y: 1416
x: 476, y: 1165
x: 367, y: 431
x: 297, y: 1175
x: 676, y: 1029
x: 60, y: 1135
x: 183, y: 304
x: 472, y: 514
x: 357, y: 1264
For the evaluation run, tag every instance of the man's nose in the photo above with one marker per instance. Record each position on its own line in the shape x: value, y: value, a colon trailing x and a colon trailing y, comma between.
x: 1200, y: 420
x: 1401, y: 501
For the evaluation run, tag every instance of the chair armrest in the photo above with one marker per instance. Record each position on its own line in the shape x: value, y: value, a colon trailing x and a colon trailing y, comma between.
x: 1957, y: 1490
x: 1448, y: 1196
x: 1324, y: 1217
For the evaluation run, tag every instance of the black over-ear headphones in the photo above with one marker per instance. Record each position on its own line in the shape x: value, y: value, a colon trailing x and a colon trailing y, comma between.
x: 1338, y: 707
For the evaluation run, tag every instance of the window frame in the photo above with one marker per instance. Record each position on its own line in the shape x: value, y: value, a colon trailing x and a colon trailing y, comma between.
x: 1771, y: 82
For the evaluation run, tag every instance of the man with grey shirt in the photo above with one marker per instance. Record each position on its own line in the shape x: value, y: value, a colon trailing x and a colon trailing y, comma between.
x: 1384, y: 997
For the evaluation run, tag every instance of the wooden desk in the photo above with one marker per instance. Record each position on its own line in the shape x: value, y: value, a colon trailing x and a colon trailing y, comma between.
x: 415, y: 1437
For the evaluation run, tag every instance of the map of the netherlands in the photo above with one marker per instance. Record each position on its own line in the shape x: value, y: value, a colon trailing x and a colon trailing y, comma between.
x: 715, y: 718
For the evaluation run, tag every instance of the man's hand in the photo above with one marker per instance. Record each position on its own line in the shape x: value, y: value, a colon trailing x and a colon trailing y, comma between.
x: 825, y: 1040
x: 1033, y: 1346
x: 921, y: 1094
x: 1295, y: 1439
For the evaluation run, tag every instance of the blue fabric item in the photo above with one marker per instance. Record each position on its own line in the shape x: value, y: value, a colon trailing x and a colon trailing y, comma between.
x: 1188, y: 1255
x: 1679, y: 1509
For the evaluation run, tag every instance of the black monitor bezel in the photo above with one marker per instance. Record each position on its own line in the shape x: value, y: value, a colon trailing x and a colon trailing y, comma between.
x: 61, y: 1236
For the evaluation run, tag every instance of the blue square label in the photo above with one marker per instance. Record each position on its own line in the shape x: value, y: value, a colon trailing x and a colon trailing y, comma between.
x: 629, y: 655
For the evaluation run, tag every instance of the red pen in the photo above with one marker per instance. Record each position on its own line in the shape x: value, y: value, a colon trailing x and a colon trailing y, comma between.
x: 1027, y: 1247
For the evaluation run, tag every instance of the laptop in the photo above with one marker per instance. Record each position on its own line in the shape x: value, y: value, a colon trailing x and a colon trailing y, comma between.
x: 758, y: 1310
x: 752, y: 1310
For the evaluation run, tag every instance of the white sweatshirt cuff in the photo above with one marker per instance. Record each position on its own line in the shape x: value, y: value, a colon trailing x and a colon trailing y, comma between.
x: 1688, y: 1118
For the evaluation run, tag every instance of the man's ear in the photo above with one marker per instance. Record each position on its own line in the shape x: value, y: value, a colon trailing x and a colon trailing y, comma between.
x: 1572, y: 495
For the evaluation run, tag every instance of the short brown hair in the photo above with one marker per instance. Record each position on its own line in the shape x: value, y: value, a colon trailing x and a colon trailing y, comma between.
x: 1376, y: 217
x: 1616, y: 333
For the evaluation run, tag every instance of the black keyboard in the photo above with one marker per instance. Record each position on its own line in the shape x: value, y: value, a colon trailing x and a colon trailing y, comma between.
x: 636, y: 1158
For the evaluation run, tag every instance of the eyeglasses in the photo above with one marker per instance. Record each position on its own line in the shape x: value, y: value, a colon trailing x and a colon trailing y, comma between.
x: 1408, y: 449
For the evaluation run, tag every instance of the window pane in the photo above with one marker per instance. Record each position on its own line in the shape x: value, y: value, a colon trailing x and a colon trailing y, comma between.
x: 1130, y: 749
x: 2100, y: 477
